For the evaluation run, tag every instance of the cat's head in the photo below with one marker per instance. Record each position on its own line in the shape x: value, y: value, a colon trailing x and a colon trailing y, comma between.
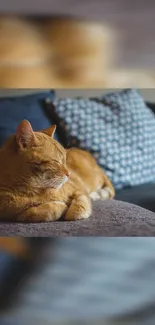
x: 41, y: 157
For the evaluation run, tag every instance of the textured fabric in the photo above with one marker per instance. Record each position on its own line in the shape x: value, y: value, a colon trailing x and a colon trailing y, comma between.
x: 119, y: 131
x: 109, y: 218
x: 87, y: 281
x: 15, y: 109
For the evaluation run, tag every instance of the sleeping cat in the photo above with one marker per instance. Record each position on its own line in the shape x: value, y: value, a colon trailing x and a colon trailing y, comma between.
x: 41, y: 181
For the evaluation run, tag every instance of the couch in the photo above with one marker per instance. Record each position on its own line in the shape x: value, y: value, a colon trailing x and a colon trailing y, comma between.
x: 132, y: 213
x: 109, y: 218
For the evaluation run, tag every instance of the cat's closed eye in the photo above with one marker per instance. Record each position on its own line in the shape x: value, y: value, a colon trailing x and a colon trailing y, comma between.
x: 60, y: 163
x: 56, y: 162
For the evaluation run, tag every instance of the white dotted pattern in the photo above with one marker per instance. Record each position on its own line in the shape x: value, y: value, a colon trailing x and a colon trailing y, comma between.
x: 119, y: 132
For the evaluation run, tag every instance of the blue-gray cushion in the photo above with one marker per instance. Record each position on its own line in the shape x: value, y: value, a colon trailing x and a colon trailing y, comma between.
x: 30, y: 107
x: 119, y: 131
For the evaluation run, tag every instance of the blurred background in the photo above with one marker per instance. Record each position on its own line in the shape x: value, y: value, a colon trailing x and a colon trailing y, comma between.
x: 70, y: 44
x: 106, y: 281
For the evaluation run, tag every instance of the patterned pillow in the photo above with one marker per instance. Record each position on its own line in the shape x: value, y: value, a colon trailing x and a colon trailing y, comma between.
x: 119, y: 130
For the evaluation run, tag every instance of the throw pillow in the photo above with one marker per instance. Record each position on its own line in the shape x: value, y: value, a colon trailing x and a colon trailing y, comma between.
x: 30, y: 107
x: 119, y: 131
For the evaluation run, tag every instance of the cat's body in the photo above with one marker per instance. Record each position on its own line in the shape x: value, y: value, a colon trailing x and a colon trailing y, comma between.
x: 41, y: 181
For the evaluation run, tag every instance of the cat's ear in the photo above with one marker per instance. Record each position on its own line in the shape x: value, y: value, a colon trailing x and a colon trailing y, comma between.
x: 50, y: 131
x: 24, y: 135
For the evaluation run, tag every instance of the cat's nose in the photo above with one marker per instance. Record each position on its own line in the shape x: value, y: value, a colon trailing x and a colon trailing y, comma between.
x: 67, y: 173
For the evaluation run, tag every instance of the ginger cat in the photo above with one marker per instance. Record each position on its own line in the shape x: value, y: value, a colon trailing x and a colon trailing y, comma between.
x: 41, y: 181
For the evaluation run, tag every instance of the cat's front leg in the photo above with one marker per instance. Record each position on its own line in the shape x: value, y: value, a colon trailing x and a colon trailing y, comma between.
x: 80, y: 208
x: 50, y: 211
x: 107, y: 191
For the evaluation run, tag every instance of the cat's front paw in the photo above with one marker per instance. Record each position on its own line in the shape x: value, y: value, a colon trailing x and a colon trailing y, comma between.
x: 80, y: 208
x: 95, y: 196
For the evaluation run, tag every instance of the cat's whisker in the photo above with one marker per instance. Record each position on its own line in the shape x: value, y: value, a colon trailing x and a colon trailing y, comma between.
x: 56, y: 182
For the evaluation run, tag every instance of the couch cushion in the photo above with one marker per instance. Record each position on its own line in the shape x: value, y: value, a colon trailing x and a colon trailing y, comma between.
x: 142, y: 195
x: 30, y: 107
x: 109, y: 218
x: 119, y: 130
